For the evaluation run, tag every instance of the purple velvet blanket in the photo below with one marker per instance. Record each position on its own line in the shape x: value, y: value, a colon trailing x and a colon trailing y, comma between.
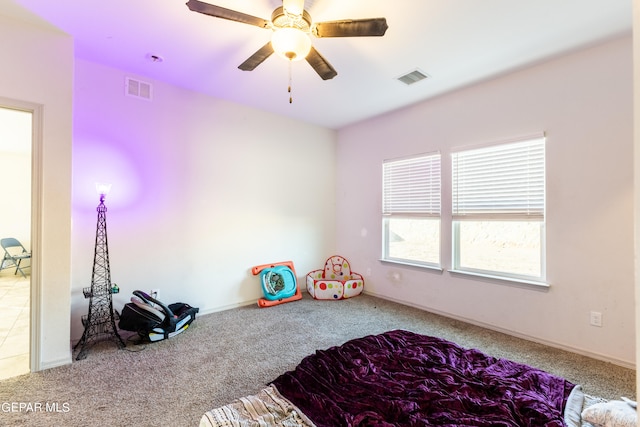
x: 400, y: 378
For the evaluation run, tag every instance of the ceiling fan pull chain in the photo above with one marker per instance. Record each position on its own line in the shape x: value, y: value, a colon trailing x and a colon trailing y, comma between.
x: 289, y: 88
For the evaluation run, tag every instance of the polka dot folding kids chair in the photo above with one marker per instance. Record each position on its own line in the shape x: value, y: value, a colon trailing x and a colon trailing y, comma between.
x: 335, y: 281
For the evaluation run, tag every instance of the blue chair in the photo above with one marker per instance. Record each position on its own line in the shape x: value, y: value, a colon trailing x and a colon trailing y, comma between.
x: 14, y: 254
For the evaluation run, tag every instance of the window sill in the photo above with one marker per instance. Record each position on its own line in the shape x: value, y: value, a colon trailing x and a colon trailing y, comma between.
x: 413, y: 264
x: 512, y: 280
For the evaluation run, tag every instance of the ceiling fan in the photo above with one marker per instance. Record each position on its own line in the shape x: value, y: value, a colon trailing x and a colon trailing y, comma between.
x: 292, y: 25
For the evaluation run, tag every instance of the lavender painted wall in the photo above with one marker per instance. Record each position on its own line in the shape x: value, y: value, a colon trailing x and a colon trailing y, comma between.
x: 583, y: 101
x: 202, y: 190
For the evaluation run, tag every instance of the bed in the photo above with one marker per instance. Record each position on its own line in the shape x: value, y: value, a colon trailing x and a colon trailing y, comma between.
x: 401, y: 378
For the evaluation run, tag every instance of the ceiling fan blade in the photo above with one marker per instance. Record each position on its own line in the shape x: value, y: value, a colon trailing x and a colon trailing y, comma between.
x: 231, y: 15
x: 351, y: 28
x: 257, y: 58
x: 321, y: 65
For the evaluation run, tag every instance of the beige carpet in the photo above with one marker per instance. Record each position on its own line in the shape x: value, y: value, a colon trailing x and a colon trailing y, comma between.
x: 230, y: 354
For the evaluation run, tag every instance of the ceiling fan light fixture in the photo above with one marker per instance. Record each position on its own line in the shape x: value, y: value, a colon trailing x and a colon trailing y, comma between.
x: 291, y: 43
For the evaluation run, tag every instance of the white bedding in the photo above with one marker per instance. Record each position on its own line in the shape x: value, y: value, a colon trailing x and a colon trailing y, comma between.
x: 265, y: 409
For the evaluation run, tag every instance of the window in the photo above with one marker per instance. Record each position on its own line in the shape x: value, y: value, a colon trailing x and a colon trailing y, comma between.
x: 498, y: 208
x: 411, y: 210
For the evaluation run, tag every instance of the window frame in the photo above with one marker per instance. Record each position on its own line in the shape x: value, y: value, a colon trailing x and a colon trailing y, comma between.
x: 428, y: 207
x: 505, y: 213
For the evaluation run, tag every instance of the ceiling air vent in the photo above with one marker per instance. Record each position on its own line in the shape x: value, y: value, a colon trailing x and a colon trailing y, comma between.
x: 137, y: 88
x: 413, y: 77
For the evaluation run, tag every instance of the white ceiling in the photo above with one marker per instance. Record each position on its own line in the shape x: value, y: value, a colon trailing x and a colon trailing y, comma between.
x: 456, y: 42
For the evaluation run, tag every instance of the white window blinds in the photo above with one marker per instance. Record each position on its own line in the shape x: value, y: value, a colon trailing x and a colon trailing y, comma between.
x: 412, y: 186
x: 501, y: 181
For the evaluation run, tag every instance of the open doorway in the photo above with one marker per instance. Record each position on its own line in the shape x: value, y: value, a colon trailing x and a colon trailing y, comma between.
x: 16, y: 129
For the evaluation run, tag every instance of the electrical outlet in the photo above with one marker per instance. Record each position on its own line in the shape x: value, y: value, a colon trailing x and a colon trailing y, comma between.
x: 154, y: 293
x: 595, y: 318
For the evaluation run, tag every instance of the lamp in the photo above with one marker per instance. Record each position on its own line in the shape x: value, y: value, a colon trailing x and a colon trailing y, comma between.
x: 291, y: 43
x: 103, y: 189
x: 99, y: 323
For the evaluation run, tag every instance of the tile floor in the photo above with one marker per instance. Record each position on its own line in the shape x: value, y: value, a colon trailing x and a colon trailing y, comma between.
x: 14, y: 324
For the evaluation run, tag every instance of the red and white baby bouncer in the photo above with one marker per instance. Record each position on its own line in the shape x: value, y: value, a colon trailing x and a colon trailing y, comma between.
x: 335, y: 281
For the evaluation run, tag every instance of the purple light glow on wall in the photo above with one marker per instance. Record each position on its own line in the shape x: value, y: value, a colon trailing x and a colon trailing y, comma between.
x: 100, y: 162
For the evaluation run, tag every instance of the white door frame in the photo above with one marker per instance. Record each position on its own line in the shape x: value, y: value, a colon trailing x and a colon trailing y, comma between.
x: 36, y: 111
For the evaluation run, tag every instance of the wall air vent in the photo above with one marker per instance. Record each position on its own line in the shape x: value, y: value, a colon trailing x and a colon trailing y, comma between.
x: 413, y: 77
x: 137, y: 88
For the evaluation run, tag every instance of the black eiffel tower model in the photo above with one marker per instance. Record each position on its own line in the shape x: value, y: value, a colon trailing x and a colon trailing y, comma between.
x: 99, y: 324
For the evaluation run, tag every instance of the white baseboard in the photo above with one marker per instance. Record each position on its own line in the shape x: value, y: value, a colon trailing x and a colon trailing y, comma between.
x: 55, y: 363
x: 225, y: 307
x: 560, y: 346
